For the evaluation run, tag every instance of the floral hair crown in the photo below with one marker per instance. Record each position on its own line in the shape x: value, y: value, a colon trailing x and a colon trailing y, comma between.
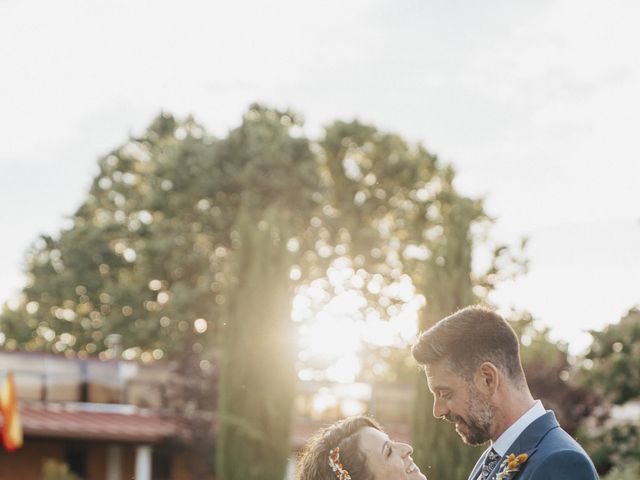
x: 336, y: 466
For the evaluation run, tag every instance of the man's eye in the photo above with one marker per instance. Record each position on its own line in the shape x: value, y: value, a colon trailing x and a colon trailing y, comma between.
x: 445, y: 395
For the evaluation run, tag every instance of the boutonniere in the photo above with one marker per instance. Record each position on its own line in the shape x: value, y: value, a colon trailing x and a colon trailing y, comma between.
x: 510, y: 465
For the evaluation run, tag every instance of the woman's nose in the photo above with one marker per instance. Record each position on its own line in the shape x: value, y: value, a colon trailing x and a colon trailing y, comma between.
x: 406, y: 449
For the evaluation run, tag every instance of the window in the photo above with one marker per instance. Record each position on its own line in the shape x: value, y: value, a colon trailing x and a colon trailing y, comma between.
x: 76, y: 459
x: 161, y: 466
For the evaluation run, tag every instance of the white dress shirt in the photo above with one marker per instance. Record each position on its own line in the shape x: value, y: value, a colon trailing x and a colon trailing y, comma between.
x: 510, y: 435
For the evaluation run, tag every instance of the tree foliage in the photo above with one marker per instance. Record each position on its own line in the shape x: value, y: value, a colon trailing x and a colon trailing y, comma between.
x: 142, y: 257
x: 626, y: 471
x: 551, y: 373
x: 614, y: 360
x: 52, y: 469
x: 611, y: 369
x: 611, y: 445
x: 186, y: 242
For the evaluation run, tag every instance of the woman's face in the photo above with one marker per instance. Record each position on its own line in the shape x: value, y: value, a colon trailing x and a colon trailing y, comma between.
x: 386, y: 459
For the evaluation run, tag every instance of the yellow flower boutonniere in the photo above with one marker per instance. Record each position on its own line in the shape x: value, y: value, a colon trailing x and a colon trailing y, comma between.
x: 510, y: 465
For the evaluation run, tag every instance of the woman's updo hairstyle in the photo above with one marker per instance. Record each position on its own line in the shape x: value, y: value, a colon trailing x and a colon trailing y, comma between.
x: 313, y: 463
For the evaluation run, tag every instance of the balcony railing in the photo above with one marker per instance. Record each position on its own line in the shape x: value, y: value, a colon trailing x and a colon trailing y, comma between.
x: 53, y: 379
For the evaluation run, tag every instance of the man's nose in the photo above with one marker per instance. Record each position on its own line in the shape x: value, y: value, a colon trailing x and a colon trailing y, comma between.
x: 439, y: 408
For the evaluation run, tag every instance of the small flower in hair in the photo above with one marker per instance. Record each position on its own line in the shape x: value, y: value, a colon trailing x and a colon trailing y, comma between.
x: 336, y: 466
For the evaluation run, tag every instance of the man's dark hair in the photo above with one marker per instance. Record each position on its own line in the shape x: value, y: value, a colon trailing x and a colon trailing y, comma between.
x: 467, y: 339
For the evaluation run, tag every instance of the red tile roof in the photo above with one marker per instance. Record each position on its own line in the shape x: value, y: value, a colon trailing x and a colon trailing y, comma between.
x: 78, y: 422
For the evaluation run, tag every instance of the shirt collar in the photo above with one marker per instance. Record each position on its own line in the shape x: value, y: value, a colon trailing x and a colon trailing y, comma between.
x: 510, y: 435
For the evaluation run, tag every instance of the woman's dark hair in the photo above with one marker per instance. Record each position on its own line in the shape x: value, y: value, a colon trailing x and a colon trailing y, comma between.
x: 313, y: 463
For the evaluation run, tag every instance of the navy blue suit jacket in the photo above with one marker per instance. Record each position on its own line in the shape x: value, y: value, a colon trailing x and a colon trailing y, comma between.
x: 553, y: 454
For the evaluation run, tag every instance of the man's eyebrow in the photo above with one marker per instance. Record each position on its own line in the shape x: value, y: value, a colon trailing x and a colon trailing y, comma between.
x: 433, y: 387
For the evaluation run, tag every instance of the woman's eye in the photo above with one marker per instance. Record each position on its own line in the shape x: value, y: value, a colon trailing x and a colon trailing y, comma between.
x: 389, y: 450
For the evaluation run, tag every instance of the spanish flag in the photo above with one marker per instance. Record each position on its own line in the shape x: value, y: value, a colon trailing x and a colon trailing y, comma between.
x: 11, y: 427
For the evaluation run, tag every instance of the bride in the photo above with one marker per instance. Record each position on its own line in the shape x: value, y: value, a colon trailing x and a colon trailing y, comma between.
x: 356, y: 448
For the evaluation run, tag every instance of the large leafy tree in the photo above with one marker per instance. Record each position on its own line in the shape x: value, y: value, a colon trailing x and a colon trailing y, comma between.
x: 186, y: 241
x: 142, y: 257
x: 181, y: 246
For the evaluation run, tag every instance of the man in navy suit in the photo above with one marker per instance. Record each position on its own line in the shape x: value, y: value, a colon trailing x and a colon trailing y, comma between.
x: 473, y: 368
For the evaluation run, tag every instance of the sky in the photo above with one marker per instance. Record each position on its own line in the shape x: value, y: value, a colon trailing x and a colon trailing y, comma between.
x: 536, y: 104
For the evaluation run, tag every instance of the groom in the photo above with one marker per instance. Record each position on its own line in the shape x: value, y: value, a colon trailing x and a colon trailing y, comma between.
x: 472, y: 363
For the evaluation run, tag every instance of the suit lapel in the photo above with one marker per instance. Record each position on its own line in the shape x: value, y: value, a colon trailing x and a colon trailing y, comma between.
x: 529, y: 440
x: 534, y: 433
x: 527, y: 443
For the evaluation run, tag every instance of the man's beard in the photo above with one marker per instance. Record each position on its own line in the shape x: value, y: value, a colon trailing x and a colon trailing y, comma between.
x: 476, y: 430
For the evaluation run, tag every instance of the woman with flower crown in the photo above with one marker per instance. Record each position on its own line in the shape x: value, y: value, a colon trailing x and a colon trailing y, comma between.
x: 356, y: 448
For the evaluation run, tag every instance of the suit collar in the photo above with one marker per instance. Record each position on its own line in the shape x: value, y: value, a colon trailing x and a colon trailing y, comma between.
x: 504, y: 441
x: 527, y: 442
x: 534, y: 433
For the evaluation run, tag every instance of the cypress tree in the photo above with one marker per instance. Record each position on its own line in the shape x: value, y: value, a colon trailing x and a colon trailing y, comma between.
x: 438, y: 449
x: 278, y: 179
x: 257, y: 378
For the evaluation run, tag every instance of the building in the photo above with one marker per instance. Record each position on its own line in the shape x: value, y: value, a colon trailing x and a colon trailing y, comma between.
x: 107, y: 420
x: 118, y: 420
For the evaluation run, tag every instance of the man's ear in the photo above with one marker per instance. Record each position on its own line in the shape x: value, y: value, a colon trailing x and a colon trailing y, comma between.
x: 487, y: 378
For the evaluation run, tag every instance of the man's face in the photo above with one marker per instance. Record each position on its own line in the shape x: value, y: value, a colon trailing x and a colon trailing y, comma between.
x: 460, y: 402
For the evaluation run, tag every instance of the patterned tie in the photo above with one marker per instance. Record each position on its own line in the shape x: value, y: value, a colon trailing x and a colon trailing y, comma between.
x: 489, y: 464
